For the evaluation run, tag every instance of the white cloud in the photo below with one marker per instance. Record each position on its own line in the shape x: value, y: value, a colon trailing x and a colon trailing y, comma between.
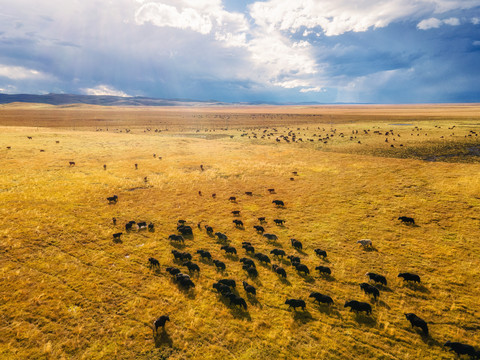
x: 431, y: 23
x: 312, y: 89
x: 476, y: 43
x: 104, y: 90
x: 475, y: 21
x: 452, y: 21
x: 21, y: 73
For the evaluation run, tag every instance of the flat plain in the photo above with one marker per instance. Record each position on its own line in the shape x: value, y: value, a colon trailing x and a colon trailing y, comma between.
x: 345, y: 173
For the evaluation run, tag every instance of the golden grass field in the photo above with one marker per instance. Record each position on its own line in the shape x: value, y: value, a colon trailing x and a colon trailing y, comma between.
x: 67, y: 291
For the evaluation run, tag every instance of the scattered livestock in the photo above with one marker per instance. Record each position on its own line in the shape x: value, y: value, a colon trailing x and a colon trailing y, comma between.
x: 323, y: 270
x: 229, y: 249
x: 222, y: 288
x: 220, y: 265
x: 321, y: 298
x: 247, y: 261
x: 248, y: 248
x: 271, y: 191
x: 229, y: 282
x: 129, y: 225
x: 142, y: 225
x: 407, y: 220
x: 366, y: 243
x: 116, y: 237
x: 271, y: 237
x: 238, y: 223
x: 301, y: 268
x: 279, y: 222
x: 293, y: 259
x: 294, y: 303
x: 409, y: 277
x: 370, y: 290
x: 236, y: 212
x: 259, y: 229
x: 173, y: 270
x: 204, y: 254
x: 278, y: 203
x: 278, y: 252
x: 153, y: 262
x: 462, y: 349
x: 377, y: 278
x: 71, y: 163
x: 262, y: 258
x: 418, y: 322
x: 114, y: 220
x: 249, y: 289
x: 221, y: 237
x: 112, y: 199
x: 232, y: 199
x: 280, y: 271
x: 237, y: 300
x: 251, y: 270
x: 151, y: 227
x: 261, y: 219
x: 178, y: 238
x: 359, y: 306
x: 160, y: 322
x: 184, y: 280
x: 208, y: 229
x: 296, y: 244
x: 181, y: 255
x: 192, y: 267
x: 185, y: 230
x: 321, y: 253
x: 249, y: 193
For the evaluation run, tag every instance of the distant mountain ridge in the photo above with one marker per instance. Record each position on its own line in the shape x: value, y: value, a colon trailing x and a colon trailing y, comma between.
x: 104, y: 100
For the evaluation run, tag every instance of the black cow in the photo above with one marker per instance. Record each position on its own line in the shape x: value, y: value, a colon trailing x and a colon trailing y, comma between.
x: 462, y: 349
x: 416, y: 321
x: 278, y: 252
x: 321, y: 253
x: 249, y: 289
x: 359, y: 306
x: 295, y: 303
x: 280, y: 271
x: 175, y: 237
x: 301, y: 268
x: 220, y: 265
x: 160, y: 322
x: 204, y: 254
x: 208, y: 229
x: 293, y: 259
x: 249, y: 193
x: 296, y: 244
x: 221, y: 237
x: 151, y: 227
x: 185, y: 230
x: 271, y: 191
x: 278, y: 203
x: 112, y: 199
x: 228, y: 282
x: 324, y: 299
x: 377, y: 278
x: 263, y: 258
x: 251, y: 270
x: 229, y: 249
x: 271, y: 237
x: 248, y: 248
x: 129, y: 225
x: 142, y: 225
x: 173, y: 270
x: 117, y: 236
x: 247, y: 261
x: 232, y: 198
x: 261, y: 219
x: 407, y: 220
x: 238, y: 223
x: 279, y: 221
x: 370, y: 289
x: 236, y: 212
x: 324, y: 270
x: 409, y: 277
x: 191, y: 266
x: 259, y: 229
x: 153, y: 262
x: 237, y: 300
x: 222, y: 288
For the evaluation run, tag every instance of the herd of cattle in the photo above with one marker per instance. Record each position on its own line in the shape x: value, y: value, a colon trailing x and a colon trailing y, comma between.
x: 226, y: 288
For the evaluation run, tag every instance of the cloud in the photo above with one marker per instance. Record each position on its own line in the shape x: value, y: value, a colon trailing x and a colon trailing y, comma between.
x: 452, y: 21
x: 431, y: 23
x: 475, y: 21
x: 20, y: 73
x: 104, y: 90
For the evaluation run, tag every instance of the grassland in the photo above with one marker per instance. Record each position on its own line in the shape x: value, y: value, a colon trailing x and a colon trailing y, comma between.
x: 67, y: 291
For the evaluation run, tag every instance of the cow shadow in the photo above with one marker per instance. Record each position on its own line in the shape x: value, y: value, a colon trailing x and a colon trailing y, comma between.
x: 365, y: 319
x: 206, y: 261
x: 252, y: 299
x: 301, y: 252
x: 383, y: 304
x: 162, y: 339
x: 178, y: 245
x: 327, y: 277
x: 285, y: 281
x: 327, y: 309
x: 232, y: 257
x: 417, y: 287
x: 370, y: 249
x: 383, y: 288
x: 306, y: 277
x: 302, y: 316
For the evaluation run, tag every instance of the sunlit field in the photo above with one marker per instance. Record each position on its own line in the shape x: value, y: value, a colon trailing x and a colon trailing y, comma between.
x: 69, y: 291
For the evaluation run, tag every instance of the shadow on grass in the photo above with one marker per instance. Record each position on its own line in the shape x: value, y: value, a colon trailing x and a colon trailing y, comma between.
x: 327, y: 309
x: 365, y: 319
x: 301, y: 252
x: 231, y: 257
x: 383, y: 288
x: 178, y: 245
x: 383, y: 303
x: 327, y: 277
x: 302, y: 316
x: 252, y: 299
x: 369, y: 249
x: 284, y: 281
x: 307, y: 277
x: 162, y: 339
x: 417, y: 287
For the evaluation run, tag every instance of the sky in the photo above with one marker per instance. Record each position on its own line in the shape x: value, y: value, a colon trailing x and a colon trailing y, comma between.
x: 328, y: 51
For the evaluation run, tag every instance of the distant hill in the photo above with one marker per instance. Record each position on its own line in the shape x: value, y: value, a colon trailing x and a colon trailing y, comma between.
x: 105, y: 100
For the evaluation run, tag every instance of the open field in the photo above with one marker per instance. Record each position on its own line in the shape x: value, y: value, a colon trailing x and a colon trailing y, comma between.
x: 69, y: 291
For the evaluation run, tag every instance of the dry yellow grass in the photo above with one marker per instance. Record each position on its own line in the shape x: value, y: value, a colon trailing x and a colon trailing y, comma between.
x: 68, y: 291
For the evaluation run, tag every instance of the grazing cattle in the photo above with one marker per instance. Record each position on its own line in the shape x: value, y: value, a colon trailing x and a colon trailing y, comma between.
x: 173, y: 270
x: 370, y: 289
x: 249, y: 289
x: 249, y: 193
x: 204, y: 254
x: 294, y: 303
x: 416, y: 321
x: 232, y: 198
x: 220, y: 236
x: 280, y: 271
x: 366, y: 243
x: 320, y: 252
x: 251, y: 270
x: 175, y: 237
x: 228, y: 282
x: 323, y: 270
x: 229, y: 249
x: 324, y: 299
x: 29, y: 138
x: 261, y: 219
x: 462, y: 349
x: 409, y: 277
x: 208, y: 229
x: 191, y: 266
x: 278, y: 252
x: 248, y: 248
x: 259, y: 229
x: 271, y: 237
x: 153, y: 262
x: 220, y: 265
x: 160, y: 322
x: 301, y: 268
x: 112, y: 199
x: 377, y: 278
x: 278, y: 203
x: 114, y: 220
x: 247, y: 261
x: 181, y: 222
x: 116, y: 236
x: 222, y: 288
x: 236, y: 212
x: 293, y: 259
x: 296, y: 244
x: 181, y: 255
x: 184, y: 281
x: 271, y: 191
x: 71, y: 163
x: 278, y: 221
x: 142, y: 225
x: 185, y: 230
x: 262, y: 258
x: 214, y: 196
x: 407, y: 220
x: 129, y: 225
x: 238, y: 223
x: 359, y: 306
x: 237, y: 300
x: 151, y: 227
